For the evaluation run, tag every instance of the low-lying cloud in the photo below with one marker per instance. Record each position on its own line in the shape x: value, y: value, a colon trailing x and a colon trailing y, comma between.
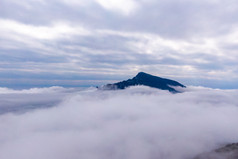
x: 19, y: 101
x: 136, y: 123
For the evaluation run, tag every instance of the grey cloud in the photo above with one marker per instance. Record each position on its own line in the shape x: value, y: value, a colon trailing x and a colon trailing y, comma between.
x: 185, y: 19
x: 15, y: 55
x: 175, y: 19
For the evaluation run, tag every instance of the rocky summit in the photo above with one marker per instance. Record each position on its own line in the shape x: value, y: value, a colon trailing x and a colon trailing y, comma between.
x: 145, y: 79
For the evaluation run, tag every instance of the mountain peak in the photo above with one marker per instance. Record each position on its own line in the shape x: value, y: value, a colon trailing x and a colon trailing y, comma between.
x: 144, y: 75
x: 146, y: 79
x: 141, y: 73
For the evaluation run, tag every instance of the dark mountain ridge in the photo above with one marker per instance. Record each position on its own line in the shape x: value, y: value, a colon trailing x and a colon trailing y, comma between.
x: 147, y: 80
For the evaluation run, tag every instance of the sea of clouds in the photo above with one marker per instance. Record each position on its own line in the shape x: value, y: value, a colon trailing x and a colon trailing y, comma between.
x: 136, y: 123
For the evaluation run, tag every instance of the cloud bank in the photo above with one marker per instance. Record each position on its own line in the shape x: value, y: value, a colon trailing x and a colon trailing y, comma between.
x: 138, y: 122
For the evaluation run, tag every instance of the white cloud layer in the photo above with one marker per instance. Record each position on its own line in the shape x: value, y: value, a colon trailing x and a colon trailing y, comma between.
x: 138, y: 122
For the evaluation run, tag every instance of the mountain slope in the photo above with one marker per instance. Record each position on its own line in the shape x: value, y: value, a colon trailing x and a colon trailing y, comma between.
x: 229, y: 151
x: 147, y: 80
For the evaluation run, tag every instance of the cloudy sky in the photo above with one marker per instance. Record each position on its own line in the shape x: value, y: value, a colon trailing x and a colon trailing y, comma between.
x: 93, y: 42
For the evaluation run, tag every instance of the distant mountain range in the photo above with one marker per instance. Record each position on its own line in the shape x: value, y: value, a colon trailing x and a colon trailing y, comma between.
x: 145, y: 79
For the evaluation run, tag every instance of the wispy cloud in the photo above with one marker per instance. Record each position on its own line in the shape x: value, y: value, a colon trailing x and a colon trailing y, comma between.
x: 123, y: 6
x: 55, y: 31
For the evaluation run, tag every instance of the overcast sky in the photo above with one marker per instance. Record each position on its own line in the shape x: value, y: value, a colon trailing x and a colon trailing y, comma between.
x: 92, y: 42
